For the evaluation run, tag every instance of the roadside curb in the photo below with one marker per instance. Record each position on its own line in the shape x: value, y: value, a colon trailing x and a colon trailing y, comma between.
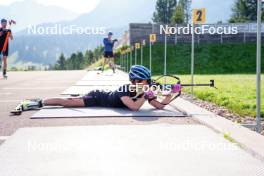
x: 249, y: 140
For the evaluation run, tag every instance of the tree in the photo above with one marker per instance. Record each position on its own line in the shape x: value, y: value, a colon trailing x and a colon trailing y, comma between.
x: 244, y: 11
x: 78, y: 60
x: 61, y: 63
x: 164, y: 11
x: 88, y: 57
x: 98, y: 52
x: 178, y: 16
x: 186, y: 6
x: 71, y: 62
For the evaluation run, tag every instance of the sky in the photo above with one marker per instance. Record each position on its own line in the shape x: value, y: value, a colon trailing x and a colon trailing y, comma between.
x: 216, y: 10
x: 76, y: 6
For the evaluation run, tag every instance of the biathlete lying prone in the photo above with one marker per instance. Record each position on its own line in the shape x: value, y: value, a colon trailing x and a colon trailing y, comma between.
x: 131, y: 96
x: 124, y: 97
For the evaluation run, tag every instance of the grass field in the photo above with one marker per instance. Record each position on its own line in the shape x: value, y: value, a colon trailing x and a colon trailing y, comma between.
x: 232, y: 66
x: 209, y: 58
x: 236, y: 92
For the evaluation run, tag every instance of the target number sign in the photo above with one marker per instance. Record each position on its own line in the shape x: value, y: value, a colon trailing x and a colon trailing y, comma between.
x: 153, y: 38
x: 137, y: 45
x: 199, y: 16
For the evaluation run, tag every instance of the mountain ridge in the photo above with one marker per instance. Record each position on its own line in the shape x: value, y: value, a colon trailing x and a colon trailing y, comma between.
x: 46, y: 49
x: 39, y: 11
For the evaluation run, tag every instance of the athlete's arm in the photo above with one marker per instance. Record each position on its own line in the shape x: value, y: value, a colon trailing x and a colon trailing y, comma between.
x: 133, y: 105
x: 160, y: 105
x: 11, y: 36
x: 105, y: 41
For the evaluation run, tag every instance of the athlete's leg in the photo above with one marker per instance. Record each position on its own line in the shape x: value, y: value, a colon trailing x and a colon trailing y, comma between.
x: 112, y: 61
x: 1, y: 61
x: 103, y: 64
x: 106, y: 61
x: 65, y: 102
x: 4, y: 64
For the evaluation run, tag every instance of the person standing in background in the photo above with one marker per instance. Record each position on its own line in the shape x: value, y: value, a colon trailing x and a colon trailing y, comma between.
x: 5, y: 34
x: 108, y: 51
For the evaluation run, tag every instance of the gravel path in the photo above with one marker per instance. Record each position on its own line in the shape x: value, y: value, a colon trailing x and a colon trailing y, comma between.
x: 222, y: 111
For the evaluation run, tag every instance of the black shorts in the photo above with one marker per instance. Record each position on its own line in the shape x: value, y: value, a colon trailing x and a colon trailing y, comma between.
x: 90, y: 99
x: 5, y: 53
x: 108, y: 54
x: 96, y: 98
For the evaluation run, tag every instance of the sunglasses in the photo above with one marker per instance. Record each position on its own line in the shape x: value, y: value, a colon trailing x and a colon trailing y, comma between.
x: 136, y: 81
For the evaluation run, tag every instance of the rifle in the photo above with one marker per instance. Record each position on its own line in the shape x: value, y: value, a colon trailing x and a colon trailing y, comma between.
x: 170, y: 87
x: 155, y: 88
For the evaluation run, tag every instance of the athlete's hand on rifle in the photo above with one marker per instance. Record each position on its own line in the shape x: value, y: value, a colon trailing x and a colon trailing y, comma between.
x: 176, y: 88
x: 149, y: 95
x: 115, y: 40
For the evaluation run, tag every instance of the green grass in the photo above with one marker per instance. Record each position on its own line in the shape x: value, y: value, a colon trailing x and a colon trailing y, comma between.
x: 99, y: 63
x: 209, y: 58
x: 232, y: 66
x: 236, y: 92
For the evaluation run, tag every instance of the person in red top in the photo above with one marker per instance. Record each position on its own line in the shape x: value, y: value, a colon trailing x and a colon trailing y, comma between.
x: 5, y: 34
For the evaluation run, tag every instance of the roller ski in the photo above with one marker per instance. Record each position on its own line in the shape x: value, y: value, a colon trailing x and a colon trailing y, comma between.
x: 4, y: 73
x: 5, y: 77
x: 27, y: 105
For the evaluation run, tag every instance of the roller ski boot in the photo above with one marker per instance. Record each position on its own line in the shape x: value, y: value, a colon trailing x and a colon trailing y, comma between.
x: 5, y: 77
x: 112, y: 66
x: 4, y: 74
x: 27, y: 105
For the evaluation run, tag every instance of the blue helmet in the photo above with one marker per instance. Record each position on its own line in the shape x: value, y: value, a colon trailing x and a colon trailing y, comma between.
x: 139, y: 72
x: 3, y: 20
x: 110, y: 33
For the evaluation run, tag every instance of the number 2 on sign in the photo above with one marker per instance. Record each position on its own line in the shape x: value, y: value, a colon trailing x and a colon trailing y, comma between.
x: 199, y: 16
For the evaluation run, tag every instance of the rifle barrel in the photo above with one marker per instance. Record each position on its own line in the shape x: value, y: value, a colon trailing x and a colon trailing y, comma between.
x: 192, y: 85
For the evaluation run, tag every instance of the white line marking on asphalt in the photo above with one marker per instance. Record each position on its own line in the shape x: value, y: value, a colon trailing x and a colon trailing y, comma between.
x: 9, y: 101
x: 3, y: 138
x: 31, y: 88
x: 5, y: 93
